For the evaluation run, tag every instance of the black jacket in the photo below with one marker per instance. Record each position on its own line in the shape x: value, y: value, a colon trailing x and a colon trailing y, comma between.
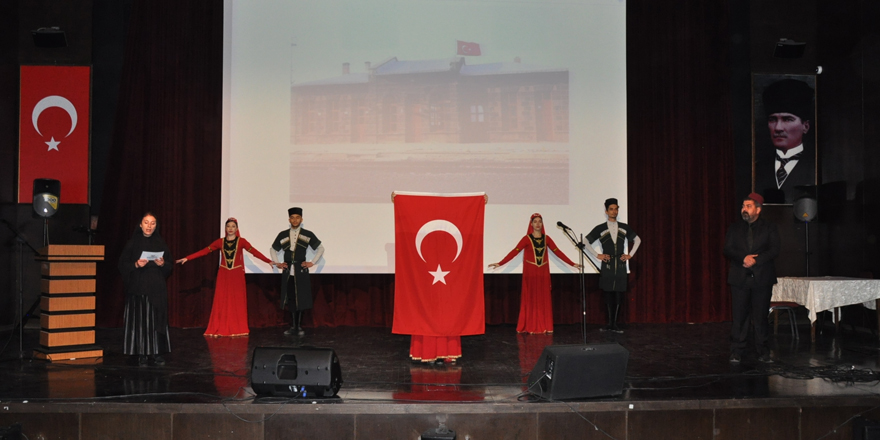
x: 765, y: 244
x: 294, y: 256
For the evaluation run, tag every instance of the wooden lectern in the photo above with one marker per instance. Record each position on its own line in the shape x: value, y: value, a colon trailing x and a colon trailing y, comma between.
x: 67, y: 318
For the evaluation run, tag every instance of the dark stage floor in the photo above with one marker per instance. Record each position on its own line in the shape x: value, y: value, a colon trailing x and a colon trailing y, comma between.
x: 666, y: 362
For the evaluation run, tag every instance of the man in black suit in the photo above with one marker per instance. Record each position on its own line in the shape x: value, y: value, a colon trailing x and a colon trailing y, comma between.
x: 751, y: 246
x: 791, y: 162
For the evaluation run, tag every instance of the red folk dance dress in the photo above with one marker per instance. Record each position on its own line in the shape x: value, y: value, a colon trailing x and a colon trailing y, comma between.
x: 229, y: 312
x: 433, y: 348
x: 535, y: 308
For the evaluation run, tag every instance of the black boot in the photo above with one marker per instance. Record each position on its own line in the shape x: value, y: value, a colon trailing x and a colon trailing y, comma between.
x: 608, y: 309
x: 293, y: 324
x: 618, y: 300
x: 613, y: 327
x: 299, y: 320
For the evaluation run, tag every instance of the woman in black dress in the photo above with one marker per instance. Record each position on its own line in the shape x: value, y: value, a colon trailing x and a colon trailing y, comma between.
x: 144, y: 273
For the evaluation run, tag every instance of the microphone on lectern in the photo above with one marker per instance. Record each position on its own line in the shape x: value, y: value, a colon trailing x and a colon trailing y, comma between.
x: 562, y: 225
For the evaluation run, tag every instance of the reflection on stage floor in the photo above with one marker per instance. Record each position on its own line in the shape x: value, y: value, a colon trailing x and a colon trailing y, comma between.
x: 666, y: 362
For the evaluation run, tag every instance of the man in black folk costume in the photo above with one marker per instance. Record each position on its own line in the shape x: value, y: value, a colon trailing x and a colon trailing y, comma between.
x: 289, y: 251
x: 612, y: 236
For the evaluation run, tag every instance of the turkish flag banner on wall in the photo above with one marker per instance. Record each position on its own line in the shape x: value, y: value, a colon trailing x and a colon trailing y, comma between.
x: 438, y: 270
x: 54, y: 130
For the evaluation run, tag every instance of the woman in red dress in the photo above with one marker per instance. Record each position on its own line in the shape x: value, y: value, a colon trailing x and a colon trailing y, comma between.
x: 229, y: 311
x: 535, y: 309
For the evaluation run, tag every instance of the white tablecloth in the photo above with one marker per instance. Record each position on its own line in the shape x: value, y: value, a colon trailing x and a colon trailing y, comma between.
x: 825, y: 293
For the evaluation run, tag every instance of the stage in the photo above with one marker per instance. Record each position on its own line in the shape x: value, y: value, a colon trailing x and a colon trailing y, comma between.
x: 679, y: 385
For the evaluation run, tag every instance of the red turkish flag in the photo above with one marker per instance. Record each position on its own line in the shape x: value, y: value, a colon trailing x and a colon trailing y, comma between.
x: 468, y: 49
x: 54, y: 130
x: 438, y: 289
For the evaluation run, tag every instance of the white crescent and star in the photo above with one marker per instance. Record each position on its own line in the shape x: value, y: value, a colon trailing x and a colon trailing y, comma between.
x: 441, y: 226
x: 49, y: 102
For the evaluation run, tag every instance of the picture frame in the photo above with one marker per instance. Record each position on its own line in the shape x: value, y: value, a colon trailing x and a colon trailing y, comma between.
x: 784, y: 141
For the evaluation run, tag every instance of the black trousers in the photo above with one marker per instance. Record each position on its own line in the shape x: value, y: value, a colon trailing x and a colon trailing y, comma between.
x: 753, y: 302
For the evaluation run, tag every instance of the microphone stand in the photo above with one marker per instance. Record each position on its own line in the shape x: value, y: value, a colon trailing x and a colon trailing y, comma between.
x: 20, y: 240
x: 807, y: 244
x: 583, y: 293
x: 88, y: 231
x: 583, y: 256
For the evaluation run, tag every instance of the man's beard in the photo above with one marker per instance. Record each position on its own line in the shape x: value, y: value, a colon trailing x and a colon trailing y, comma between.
x: 746, y: 216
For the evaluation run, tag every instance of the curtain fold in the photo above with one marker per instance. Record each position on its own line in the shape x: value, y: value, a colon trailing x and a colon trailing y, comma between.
x: 166, y: 151
x: 680, y: 159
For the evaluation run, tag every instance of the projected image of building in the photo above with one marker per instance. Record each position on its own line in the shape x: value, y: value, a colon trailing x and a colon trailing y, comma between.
x: 433, y: 101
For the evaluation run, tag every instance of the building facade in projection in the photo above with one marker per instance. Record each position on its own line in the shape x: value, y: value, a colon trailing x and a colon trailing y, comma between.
x: 433, y: 101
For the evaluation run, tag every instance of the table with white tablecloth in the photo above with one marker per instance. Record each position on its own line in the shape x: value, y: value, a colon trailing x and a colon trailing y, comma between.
x: 818, y: 294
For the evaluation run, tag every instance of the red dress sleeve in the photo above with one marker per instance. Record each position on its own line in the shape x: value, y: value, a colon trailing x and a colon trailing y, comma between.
x: 519, y: 247
x: 217, y: 244
x: 552, y: 246
x: 244, y: 244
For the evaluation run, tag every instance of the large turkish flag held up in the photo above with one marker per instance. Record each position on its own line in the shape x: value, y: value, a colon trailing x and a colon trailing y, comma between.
x: 54, y: 130
x: 438, y: 269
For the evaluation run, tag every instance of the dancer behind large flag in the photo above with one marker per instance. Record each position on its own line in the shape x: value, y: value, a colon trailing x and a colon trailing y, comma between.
x: 438, y: 293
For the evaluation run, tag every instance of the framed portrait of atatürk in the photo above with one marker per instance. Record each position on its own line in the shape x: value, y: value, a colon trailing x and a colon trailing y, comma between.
x: 784, y: 150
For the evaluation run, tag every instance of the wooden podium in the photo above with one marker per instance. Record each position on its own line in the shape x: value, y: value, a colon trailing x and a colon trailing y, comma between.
x: 67, y: 318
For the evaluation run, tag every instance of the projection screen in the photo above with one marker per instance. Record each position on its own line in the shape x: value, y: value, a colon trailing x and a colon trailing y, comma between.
x: 332, y: 105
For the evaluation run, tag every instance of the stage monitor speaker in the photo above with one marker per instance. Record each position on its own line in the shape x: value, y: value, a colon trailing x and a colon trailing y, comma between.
x: 47, y: 194
x: 296, y: 372
x: 865, y: 429
x: 11, y: 433
x: 579, y: 371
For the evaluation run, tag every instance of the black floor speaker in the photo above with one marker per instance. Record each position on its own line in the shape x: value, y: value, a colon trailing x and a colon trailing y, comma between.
x: 866, y: 429
x: 11, y: 433
x: 295, y: 372
x: 579, y: 371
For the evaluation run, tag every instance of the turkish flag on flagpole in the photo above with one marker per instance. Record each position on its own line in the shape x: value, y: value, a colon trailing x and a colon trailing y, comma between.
x: 468, y: 49
x: 54, y: 130
x: 438, y: 289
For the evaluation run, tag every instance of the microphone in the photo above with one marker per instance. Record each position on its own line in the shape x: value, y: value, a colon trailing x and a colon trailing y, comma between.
x: 562, y: 225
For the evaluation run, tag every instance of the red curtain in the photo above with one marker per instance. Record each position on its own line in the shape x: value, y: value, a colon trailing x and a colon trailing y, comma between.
x: 165, y: 155
x: 680, y: 159
x: 166, y: 158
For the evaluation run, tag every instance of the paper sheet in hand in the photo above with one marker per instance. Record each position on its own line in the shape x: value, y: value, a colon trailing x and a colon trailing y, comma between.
x: 150, y: 256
